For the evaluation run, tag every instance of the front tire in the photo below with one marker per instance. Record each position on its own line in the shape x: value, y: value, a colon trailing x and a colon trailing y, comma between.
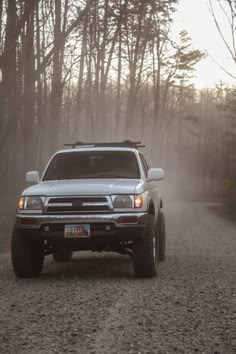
x: 62, y: 256
x: 27, y: 256
x: 146, y: 252
x: 161, y: 236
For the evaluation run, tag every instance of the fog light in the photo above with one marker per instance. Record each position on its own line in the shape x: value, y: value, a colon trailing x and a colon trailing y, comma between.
x: 128, y: 220
x: 28, y: 221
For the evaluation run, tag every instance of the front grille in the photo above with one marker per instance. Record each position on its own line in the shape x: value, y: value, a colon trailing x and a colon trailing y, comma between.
x: 68, y: 209
x: 78, y: 205
x: 82, y: 199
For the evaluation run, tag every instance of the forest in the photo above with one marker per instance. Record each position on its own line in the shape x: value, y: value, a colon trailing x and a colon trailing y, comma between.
x: 111, y: 70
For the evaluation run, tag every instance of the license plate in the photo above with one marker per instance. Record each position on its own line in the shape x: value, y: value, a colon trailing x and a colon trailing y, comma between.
x: 77, y: 231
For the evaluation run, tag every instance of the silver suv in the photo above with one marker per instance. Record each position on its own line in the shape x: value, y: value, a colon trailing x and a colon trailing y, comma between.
x: 98, y: 197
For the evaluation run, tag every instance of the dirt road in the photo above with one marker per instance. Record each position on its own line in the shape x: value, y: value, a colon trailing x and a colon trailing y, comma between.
x: 95, y: 305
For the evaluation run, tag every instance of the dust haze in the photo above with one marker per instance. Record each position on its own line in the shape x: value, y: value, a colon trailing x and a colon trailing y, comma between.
x: 110, y: 72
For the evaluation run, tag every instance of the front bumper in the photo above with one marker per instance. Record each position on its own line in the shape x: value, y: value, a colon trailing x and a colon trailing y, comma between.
x: 114, y: 226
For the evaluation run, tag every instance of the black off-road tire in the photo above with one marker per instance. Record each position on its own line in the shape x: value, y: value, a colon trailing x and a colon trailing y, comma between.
x: 146, y: 252
x: 27, y: 256
x: 161, y: 236
x: 62, y: 255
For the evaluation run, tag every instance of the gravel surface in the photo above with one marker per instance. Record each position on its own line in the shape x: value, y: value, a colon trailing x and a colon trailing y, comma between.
x: 95, y: 305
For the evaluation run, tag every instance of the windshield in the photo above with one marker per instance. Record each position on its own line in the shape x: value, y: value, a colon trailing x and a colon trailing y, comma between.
x: 93, y: 164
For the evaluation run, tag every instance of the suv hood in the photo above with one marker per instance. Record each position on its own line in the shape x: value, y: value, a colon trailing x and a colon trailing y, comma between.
x: 83, y: 187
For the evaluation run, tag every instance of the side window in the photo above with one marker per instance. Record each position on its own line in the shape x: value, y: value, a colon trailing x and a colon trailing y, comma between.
x: 144, y: 164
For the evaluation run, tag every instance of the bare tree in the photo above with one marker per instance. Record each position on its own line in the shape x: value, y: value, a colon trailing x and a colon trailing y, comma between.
x: 228, y: 9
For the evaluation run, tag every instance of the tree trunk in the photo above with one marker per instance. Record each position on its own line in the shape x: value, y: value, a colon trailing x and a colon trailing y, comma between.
x: 101, y: 119
x: 79, y: 109
x: 8, y: 88
x: 56, y: 92
x: 39, y: 97
x: 118, y: 92
x: 29, y: 92
x: 1, y: 3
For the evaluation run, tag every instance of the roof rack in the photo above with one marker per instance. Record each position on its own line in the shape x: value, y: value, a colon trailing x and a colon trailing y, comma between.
x: 125, y: 143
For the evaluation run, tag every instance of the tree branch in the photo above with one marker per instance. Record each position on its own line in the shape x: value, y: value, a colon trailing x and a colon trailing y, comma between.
x: 226, y: 71
x: 48, y: 57
x: 220, y: 32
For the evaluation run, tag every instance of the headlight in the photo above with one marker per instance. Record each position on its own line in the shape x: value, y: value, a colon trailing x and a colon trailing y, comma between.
x: 31, y: 203
x: 122, y: 201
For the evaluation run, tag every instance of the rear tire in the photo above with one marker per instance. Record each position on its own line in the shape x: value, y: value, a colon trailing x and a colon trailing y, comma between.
x: 146, y: 252
x: 161, y: 236
x: 62, y: 256
x: 27, y: 256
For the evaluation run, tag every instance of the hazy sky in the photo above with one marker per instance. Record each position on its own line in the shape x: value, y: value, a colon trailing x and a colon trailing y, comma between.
x: 194, y: 16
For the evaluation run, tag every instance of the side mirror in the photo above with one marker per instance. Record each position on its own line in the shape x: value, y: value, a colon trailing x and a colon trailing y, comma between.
x: 155, y: 174
x: 32, y: 177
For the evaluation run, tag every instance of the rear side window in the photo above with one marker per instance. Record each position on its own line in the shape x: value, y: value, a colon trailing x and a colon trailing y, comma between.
x: 93, y: 164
